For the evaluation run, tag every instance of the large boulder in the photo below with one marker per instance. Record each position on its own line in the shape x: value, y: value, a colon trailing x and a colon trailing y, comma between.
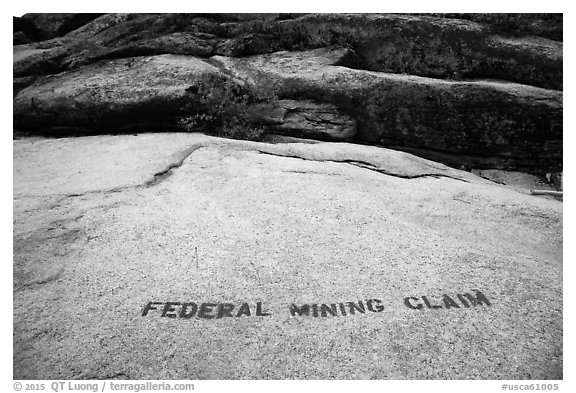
x: 473, y: 123
x: 419, y: 45
x: 140, y: 93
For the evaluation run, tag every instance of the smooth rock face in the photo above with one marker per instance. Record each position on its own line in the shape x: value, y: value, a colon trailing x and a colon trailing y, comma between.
x: 295, y: 261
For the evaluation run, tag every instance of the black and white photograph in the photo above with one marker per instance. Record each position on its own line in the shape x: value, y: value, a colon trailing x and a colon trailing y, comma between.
x: 369, y: 196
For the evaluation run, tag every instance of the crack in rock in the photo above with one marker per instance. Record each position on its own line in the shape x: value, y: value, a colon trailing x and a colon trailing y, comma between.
x: 314, y: 173
x: 368, y: 166
x: 361, y: 164
x: 156, y: 178
x: 48, y: 278
x: 181, y: 156
x: 166, y: 173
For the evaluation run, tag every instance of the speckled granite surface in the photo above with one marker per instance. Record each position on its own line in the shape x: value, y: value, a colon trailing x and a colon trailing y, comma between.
x: 284, y: 262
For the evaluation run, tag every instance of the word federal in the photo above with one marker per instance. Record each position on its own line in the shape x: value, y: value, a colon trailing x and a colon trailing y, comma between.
x: 205, y: 310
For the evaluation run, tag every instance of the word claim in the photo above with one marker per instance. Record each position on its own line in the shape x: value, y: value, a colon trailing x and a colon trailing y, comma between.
x: 467, y: 300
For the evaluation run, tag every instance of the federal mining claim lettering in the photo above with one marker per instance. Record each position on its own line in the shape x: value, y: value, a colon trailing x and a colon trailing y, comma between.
x: 187, y: 310
x: 466, y: 300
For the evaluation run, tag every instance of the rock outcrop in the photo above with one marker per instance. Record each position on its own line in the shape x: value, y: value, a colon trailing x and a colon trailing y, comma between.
x: 417, y: 45
x: 449, y: 89
x: 140, y: 93
x: 515, y: 126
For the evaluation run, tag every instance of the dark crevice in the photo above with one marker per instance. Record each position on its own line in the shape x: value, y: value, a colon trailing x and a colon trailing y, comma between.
x: 166, y: 173
x: 361, y: 164
x: 491, y: 180
x: 313, y: 173
x: 367, y: 165
x: 156, y: 179
x: 42, y: 281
